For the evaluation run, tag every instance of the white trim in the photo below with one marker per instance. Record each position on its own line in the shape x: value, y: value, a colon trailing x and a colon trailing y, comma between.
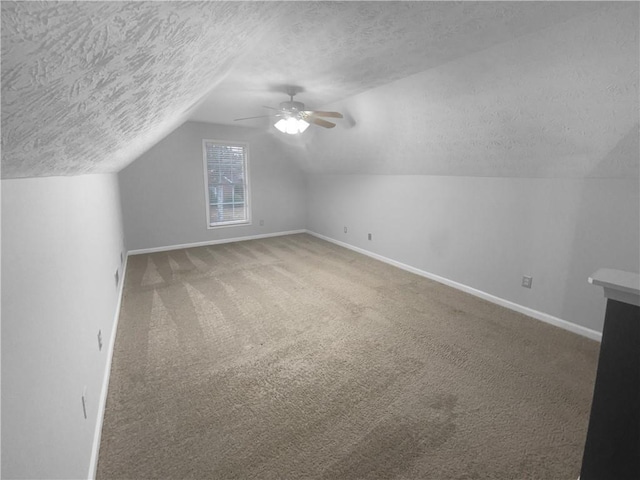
x: 618, y: 285
x: 572, y: 327
x: 247, y: 176
x: 213, y: 242
x: 558, y: 322
x: 235, y: 223
x: 95, y: 450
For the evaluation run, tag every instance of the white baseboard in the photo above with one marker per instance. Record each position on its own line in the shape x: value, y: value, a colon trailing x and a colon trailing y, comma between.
x: 558, y: 322
x: 93, y: 463
x: 102, y: 402
x: 572, y: 327
x: 213, y: 242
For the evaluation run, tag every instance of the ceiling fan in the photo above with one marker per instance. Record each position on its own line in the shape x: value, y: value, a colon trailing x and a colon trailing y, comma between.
x: 294, y: 118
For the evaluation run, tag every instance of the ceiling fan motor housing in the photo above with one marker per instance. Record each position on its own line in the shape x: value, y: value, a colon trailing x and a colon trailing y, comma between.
x: 292, y: 106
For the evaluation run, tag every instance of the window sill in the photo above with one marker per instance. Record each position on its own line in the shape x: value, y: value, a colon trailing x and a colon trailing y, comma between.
x: 231, y: 224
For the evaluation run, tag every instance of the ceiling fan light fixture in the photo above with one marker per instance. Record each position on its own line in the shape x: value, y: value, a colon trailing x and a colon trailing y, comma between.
x: 293, y: 117
x: 291, y: 125
x: 281, y: 125
x: 302, y: 125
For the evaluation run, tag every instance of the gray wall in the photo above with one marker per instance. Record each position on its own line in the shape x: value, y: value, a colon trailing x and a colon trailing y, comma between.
x: 163, y: 194
x: 520, y: 159
x: 61, y: 244
x: 486, y: 233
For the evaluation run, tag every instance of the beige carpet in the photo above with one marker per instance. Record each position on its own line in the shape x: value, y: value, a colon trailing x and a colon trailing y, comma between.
x: 293, y: 358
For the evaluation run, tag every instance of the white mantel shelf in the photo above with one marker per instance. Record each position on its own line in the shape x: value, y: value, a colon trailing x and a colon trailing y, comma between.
x: 618, y: 285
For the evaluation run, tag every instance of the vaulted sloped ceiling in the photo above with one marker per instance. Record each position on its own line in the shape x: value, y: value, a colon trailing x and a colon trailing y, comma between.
x: 338, y: 49
x: 88, y: 86
x: 562, y: 102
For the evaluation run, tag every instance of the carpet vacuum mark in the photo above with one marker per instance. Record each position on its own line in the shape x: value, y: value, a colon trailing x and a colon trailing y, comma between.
x: 293, y: 358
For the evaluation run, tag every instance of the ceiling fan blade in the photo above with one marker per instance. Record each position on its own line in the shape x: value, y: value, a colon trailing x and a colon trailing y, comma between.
x: 321, y: 122
x: 250, y: 118
x: 318, y: 113
x: 270, y: 108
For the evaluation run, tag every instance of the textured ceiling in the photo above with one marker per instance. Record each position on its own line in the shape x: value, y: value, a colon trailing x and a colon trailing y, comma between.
x: 337, y: 49
x: 563, y: 102
x: 88, y: 86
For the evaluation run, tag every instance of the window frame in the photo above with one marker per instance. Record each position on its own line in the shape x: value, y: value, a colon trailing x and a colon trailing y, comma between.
x: 247, y: 176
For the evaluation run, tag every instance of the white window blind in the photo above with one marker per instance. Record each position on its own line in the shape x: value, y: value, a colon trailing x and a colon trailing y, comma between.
x: 226, y: 183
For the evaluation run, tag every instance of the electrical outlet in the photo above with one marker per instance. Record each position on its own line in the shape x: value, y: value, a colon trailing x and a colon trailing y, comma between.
x: 345, y: 229
x: 527, y: 281
x: 100, y: 340
x: 369, y: 236
x: 262, y: 223
x: 84, y: 402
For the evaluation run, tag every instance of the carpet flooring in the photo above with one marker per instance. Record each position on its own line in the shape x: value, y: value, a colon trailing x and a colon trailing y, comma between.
x: 293, y: 358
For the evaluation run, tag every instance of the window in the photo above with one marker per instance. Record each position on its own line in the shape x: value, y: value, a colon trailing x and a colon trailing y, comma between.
x: 227, y: 183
